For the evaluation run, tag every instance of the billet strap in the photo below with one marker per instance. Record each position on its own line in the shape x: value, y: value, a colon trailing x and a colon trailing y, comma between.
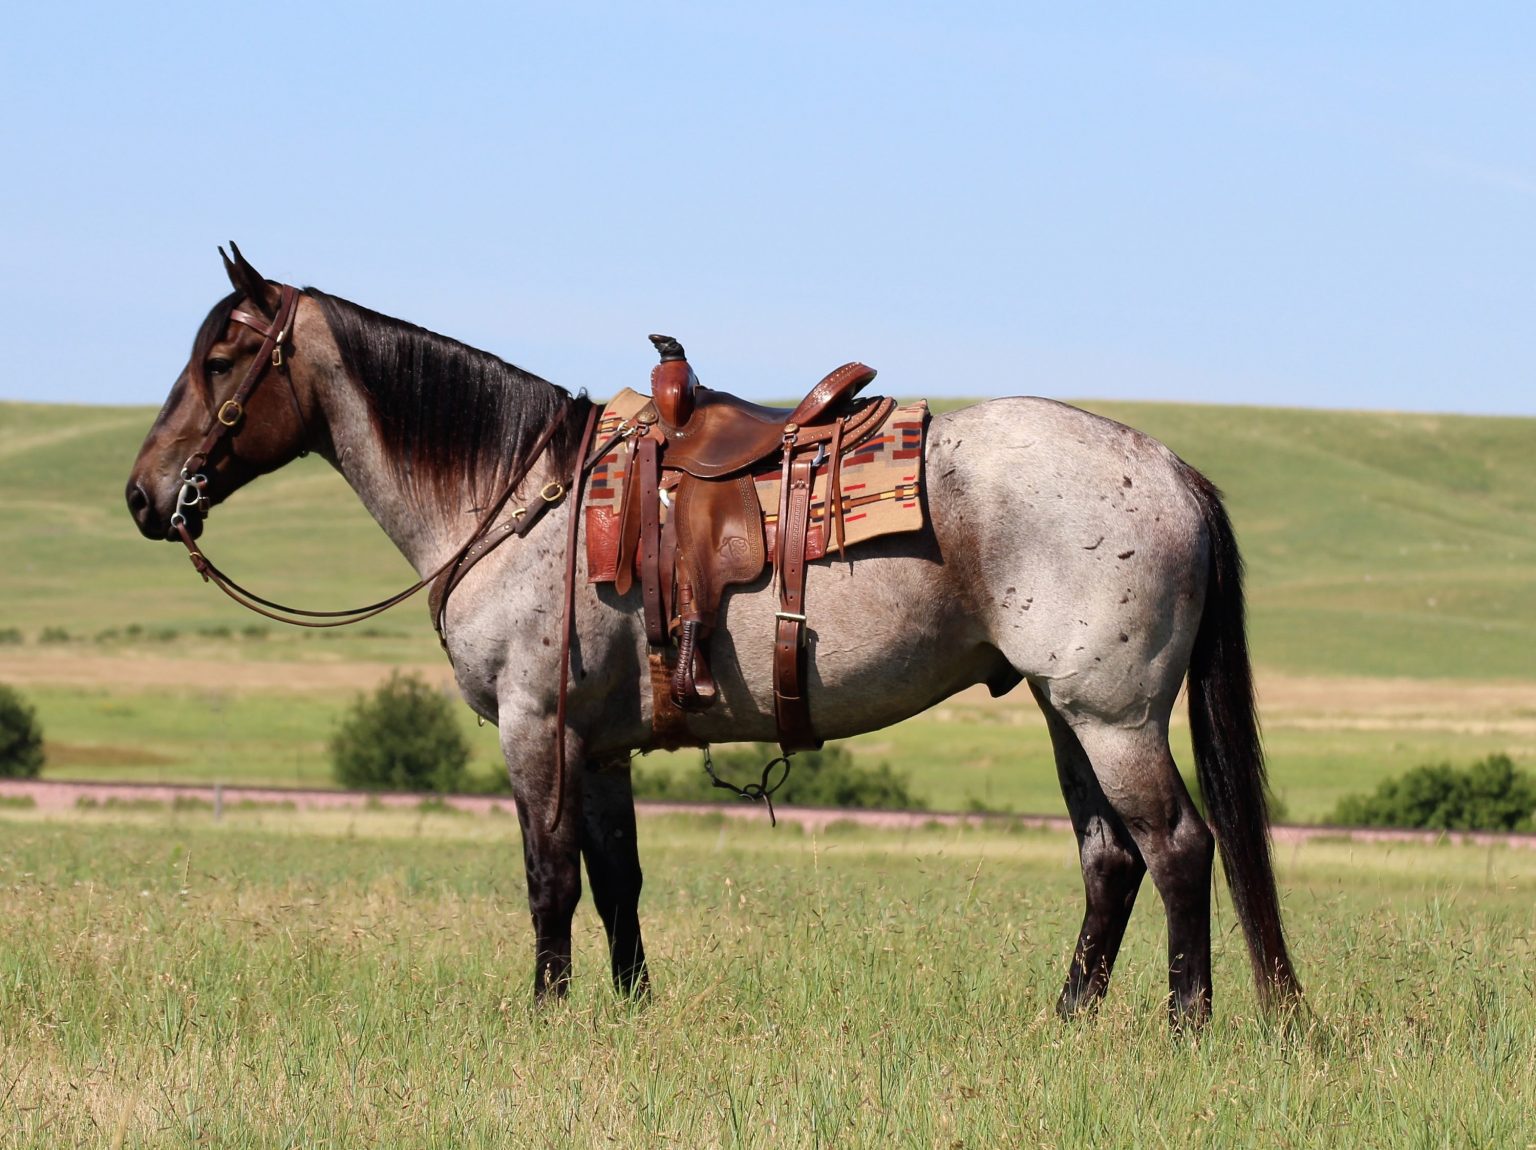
x: 835, y: 487
x: 791, y: 709
x: 648, y: 466
x: 568, y: 620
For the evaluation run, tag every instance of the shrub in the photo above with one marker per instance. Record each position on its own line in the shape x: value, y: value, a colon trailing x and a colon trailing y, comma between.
x: 1492, y: 794
x: 403, y: 737
x: 825, y: 778
x: 21, y: 737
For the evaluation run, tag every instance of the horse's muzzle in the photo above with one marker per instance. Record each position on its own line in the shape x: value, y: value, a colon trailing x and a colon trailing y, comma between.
x: 151, y: 524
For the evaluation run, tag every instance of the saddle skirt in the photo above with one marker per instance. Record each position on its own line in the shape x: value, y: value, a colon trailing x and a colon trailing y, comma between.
x: 880, y: 487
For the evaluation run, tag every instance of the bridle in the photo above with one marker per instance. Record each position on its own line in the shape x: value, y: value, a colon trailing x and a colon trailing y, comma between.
x: 225, y: 422
x: 275, y: 334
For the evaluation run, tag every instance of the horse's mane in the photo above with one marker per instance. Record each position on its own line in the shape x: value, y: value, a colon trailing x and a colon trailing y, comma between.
x: 455, y: 421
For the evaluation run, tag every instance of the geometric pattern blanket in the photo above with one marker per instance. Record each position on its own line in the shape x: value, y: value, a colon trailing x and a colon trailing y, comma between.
x: 881, y: 486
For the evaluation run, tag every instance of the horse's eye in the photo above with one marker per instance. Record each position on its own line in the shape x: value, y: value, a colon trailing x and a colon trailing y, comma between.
x: 218, y: 366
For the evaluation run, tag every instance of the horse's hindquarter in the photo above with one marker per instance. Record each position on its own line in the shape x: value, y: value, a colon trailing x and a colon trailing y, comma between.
x: 1089, y: 550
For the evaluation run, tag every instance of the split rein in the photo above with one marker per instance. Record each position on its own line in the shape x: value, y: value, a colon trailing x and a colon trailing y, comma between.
x: 224, y: 421
x: 227, y: 418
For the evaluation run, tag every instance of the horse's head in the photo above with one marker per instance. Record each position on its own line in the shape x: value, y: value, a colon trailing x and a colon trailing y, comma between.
x: 243, y: 406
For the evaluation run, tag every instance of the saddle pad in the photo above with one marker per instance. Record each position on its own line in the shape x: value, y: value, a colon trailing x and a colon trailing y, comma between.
x: 881, y: 487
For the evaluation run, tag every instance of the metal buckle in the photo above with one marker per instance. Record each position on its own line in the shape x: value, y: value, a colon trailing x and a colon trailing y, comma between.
x: 552, y: 491
x: 230, y: 420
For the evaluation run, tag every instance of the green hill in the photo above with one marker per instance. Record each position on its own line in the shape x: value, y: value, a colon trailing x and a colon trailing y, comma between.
x: 1376, y: 544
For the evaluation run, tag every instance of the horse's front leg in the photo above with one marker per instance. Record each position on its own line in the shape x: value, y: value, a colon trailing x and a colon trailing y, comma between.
x: 551, y: 857
x: 613, y: 868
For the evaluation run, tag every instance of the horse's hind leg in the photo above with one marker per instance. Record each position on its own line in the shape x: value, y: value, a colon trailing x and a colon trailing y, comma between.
x: 1112, y: 869
x: 1136, y: 774
x: 613, y: 868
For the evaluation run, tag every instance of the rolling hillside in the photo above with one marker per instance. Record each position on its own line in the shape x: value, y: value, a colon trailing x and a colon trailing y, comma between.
x: 1378, y: 545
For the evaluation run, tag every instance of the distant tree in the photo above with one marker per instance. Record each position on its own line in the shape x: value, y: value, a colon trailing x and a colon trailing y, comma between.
x: 21, y: 737
x: 1492, y: 794
x: 403, y: 737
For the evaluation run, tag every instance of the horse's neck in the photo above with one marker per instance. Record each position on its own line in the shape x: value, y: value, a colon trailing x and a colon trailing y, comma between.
x: 425, y: 534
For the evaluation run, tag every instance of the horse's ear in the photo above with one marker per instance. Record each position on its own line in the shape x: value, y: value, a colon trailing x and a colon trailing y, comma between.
x: 250, y: 282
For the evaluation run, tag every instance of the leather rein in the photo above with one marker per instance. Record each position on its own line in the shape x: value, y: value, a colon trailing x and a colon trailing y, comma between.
x: 192, y: 499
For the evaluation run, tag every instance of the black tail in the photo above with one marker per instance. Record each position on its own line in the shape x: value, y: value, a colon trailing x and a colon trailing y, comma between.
x: 1229, y: 754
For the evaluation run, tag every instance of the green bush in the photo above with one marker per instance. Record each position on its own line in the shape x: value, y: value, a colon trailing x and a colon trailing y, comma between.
x: 825, y: 778
x: 21, y: 737
x: 1491, y: 795
x: 403, y: 737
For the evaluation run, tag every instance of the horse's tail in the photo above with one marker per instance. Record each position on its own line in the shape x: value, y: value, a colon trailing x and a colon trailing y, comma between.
x: 1229, y: 753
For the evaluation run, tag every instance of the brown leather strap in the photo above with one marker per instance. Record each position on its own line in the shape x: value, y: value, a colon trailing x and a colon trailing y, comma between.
x: 224, y: 418
x: 568, y: 619
x: 834, y: 504
x: 646, y: 463
x: 323, y: 619
x: 791, y: 708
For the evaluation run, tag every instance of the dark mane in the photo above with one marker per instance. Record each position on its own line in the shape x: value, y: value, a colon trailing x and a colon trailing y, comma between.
x: 456, y: 422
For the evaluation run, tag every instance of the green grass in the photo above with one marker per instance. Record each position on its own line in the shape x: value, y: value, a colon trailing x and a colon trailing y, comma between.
x: 360, y: 979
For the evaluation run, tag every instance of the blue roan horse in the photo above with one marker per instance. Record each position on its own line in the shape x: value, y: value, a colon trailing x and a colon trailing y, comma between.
x: 1063, y: 550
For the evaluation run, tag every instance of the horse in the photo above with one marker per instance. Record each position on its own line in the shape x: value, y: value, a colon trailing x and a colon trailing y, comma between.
x: 1061, y: 550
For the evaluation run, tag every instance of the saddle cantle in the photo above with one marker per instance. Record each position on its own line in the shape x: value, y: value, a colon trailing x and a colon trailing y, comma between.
x: 697, y: 475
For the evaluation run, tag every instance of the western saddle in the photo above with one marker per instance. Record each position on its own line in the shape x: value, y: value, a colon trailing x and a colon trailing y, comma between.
x: 699, y: 452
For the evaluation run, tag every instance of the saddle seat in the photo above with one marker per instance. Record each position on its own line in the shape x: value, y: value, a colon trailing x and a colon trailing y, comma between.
x: 711, y: 434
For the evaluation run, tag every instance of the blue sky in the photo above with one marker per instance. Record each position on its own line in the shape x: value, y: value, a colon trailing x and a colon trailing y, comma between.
x: 1311, y: 205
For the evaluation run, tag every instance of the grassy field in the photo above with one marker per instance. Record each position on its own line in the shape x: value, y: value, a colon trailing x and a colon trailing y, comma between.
x: 1392, y: 550
x: 359, y: 979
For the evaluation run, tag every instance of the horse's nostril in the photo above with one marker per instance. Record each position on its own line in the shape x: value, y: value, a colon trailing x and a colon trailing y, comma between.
x: 142, y: 510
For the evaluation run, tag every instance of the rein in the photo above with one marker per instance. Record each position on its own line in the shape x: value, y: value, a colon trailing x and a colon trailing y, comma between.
x: 193, y: 498
x: 223, y: 422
